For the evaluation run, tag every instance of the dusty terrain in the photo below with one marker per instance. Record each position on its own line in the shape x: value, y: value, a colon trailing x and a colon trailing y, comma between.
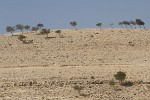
x: 49, y: 68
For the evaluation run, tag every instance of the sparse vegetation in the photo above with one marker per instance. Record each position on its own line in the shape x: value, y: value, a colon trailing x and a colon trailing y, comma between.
x: 134, y: 23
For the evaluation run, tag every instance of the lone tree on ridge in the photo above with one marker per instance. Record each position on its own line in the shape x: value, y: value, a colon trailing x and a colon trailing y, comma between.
x: 74, y: 24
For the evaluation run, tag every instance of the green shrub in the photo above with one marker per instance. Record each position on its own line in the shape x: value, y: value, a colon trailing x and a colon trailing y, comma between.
x: 120, y: 76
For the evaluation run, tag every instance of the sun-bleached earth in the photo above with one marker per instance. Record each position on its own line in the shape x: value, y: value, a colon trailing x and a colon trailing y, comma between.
x: 49, y: 68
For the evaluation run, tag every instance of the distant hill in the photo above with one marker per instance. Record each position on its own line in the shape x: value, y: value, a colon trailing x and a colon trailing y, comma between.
x: 77, y: 47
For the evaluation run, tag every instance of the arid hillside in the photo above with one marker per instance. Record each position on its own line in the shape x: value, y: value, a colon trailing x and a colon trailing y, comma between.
x: 77, y: 47
x: 75, y: 65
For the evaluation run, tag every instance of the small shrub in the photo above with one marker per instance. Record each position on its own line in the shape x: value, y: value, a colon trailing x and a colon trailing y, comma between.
x: 21, y: 37
x: 120, y: 76
x: 58, y: 31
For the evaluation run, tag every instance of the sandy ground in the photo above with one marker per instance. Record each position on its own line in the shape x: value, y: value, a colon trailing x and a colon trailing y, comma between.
x: 49, y: 68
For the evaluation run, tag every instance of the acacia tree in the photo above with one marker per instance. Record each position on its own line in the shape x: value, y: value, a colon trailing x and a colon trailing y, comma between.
x: 74, y: 24
x: 133, y: 23
x: 35, y: 29
x: 99, y: 24
x: 140, y: 22
x: 20, y: 27
x: 27, y: 27
x: 10, y: 29
x: 126, y: 23
x: 40, y: 25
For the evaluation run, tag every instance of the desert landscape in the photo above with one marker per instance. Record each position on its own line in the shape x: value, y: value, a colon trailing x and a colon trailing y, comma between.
x: 75, y: 65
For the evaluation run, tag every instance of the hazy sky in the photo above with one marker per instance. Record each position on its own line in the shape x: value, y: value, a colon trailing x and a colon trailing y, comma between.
x: 56, y: 14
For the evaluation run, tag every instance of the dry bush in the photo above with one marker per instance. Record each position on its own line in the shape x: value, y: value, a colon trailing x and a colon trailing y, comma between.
x: 58, y: 31
x: 21, y: 37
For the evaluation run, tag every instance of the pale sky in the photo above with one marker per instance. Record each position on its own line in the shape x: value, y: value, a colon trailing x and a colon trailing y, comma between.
x: 56, y: 14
